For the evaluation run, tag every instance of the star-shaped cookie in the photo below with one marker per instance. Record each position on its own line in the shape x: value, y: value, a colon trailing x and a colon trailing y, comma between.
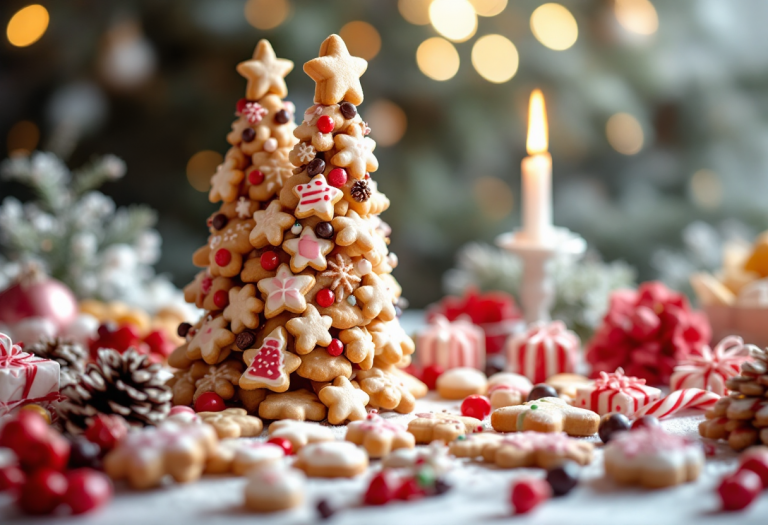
x: 307, y: 249
x: 285, y: 291
x: 353, y: 230
x: 344, y: 401
x: 210, y: 339
x: 270, y: 366
x: 336, y: 73
x: 355, y: 153
x: 316, y: 197
x: 299, y: 405
x: 244, y: 308
x: 225, y: 182
x: 265, y: 72
x: 376, y: 298
x: 270, y: 225
x: 310, y: 330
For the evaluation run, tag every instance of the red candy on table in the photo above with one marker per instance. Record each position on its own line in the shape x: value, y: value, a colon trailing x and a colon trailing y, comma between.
x: 209, y: 402
x: 529, y: 493
x: 283, y: 443
x: 409, y: 490
x: 28, y: 426
x: 430, y: 374
x: 42, y: 492
x: 337, y: 177
x: 34, y: 442
x: 88, y: 490
x: 476, y: 406
x: 159, y: 343
x: 325, y: 298
x: 756, y: 460
x: 106, y: 431
x: 378, y: 492
x: 269, y: 260
x: 336, y: 348
x: 325, y: 124
x: 738, y: 490
x: 11, y: 477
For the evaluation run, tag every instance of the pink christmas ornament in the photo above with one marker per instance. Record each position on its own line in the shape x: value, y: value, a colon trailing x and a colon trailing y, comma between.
x: 34, y: 294
x: 544, y: 350
x: 616, y: 393
x: 451, y: 344
x: 25, y: 378
x: 677, y: 401
x: 710, y: 368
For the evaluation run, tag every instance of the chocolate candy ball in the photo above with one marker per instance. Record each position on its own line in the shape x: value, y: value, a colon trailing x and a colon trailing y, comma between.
x: 563, y: 478
x: 245, y: 340
x: 348, y: 110
x: 282, y: 116
x: 315, y: 166
x: 324, y: 509
x: 612, y: 423
x: 248, y: 135
x: 219, y: 221
x: 541, y: 390
x: 183, y: 329
x: 324, y: 230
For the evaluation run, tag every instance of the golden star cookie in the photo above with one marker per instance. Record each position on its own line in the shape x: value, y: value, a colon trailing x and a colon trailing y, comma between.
x: 244, y: 308
x: 336, y: 73
x: 376, y: 298
x: 270, y: 365
x: 353, y: 230
x: 390, y: 341
x: 265, y: 72
x: 285, y: 291
x: 344, y: 402
x: 548, y: 414
x: 310, y: 330
x: 270, y: 226
x: 301, y: 405
x: 316, y: 197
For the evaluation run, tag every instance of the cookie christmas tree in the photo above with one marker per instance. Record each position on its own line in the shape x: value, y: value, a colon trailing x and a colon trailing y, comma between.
x: 297, y: 281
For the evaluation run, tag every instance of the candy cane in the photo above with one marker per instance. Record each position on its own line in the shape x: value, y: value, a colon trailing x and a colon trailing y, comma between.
x: 679, y: 400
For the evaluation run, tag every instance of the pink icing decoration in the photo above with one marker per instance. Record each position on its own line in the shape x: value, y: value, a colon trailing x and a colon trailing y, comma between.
x: 375, y: 423
x: 308, y: 248
x: 648, y: 440
x: 710, y: 369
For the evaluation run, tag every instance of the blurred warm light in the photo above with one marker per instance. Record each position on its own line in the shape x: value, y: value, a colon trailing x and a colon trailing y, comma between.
x: 538, y: 128
x: 625, y: 134
x: 28, y: 25
x: 494, y: 197
x: 495, y: 58
x: 706, y: 189
x: 23, y: 137
x: 387, y: 121
x: 454, y: 19
x: 415, y: 11
x: 362, y: 39
x: 554, y: 26
x: 489, y: 7
x: 437, y: 58
x: 201, y: 167
x: 266, y: 14
x: 637, y: 16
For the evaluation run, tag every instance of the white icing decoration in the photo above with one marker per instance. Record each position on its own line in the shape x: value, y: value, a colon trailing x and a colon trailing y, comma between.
x: 333, y: 454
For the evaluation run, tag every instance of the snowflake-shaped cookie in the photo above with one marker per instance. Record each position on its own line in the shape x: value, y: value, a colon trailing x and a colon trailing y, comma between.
x: 343, y: 279
x: 225, y: 182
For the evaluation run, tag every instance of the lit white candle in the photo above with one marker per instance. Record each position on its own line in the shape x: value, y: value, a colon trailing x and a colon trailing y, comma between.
x: 537, y: 174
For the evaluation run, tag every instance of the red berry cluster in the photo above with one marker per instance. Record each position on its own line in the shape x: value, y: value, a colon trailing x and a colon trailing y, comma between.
x: 121, y: 338
x: 43, y: 479
x: 738, y: 490
x: 385, y: 487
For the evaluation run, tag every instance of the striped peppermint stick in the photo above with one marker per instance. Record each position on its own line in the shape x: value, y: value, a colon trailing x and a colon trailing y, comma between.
x: 677, y: 401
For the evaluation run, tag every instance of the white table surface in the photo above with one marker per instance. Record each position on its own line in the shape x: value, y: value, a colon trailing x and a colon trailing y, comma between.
x: 480, y: 494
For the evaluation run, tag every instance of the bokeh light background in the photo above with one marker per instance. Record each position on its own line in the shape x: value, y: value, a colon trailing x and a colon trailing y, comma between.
x: 658, y: 110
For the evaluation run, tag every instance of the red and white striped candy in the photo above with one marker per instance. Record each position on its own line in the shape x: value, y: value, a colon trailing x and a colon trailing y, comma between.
x: 544, y: 350
x: 679, y: 400
x: 711, y: 369
x: 451, y: 344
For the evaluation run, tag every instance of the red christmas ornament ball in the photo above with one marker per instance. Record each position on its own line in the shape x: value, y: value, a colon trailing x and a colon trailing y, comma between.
x: 34, y: 294
x: 336, y: 348
x: 529, y: 493
x: 430, y: 374
x: 88, y: 490
x: 739, y: 490
x: 283, y: 443
x: 209, y: 402
x: 476, y: 406
x: 269, y: 260
x: 325, y: 124
x: 337, y: 177
x: 42, y: 492
x: 325, y: 298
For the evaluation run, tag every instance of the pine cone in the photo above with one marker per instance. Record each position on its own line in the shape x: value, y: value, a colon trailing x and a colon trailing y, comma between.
x: 360, y: 191
x: 126, y: 384
x: 71, y: 357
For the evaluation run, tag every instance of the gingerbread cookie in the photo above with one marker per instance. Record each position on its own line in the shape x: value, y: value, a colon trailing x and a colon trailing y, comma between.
x: 390, y: 341
x: 271, y: 223
x: 344, y: 401
x: 299, y: 404
x: 376, y: 298
x: 355, y: 153
x: 378, y: 436
x: 269, y: 172
x: 220, y: 379
x: 652, y: 458
x: 320, y: 366
x: 317, y: 198
x: 386, y: 391
x: 228, y: 247
x: 244, y: 308
x: 458, y: 383
x: 300, y: 433
x: 208, y: 292
x: 507, y: 389
x: 536, y: 449
x: 548, y: 414
x: 270, y: 365
x: 226, y: 181
x: 441, y: 426
x: 332, y: 459
x: 358, y: 346
x: 472, y: 446
x: 341, y: 276
x: 144, y: 457
x: 336, y: 73
x: 274, y: 488
x: 210, y: 340
x: 307, y: 250
x: 238, y: 456
x: 232, y: 423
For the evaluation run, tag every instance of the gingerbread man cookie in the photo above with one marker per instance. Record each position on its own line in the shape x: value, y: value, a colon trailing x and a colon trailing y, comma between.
x: 300, y: 405
x: 332, y: 459
x: 548, y: 414
x: 442, y: 426
x: 270, y: 365
x: 300, y: 433
x: 210, y: 339
x: 344, y: 401
x: 379, y: 436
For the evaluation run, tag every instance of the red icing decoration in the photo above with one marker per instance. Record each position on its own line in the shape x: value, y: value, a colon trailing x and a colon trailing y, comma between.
x: 337, y: 177
x: 268, y: 362
x: 325, y: 298
x: 269, y: 260
x: 325, y: 124
x: 476, y: 406
x: 647, y: 332
x: 256, y: 177
x: 223, y: 257
x: 336, y: 348
x: 209, y: 402
x: 221, y: 299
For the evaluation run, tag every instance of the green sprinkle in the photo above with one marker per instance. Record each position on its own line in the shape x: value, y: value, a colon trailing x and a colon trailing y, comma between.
x: 461, y: 438
x: 534, y: 407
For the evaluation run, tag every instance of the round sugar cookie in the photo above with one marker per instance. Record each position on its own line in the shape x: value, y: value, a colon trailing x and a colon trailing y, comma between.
x: 274, y: 488
x: 459, y: 383
x: 332, y: 459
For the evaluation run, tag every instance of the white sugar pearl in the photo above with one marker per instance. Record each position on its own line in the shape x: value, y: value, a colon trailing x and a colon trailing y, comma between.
x: 352, y: 300
x: 270, y: 145
x: 296, y: 228
x: 364, y: 267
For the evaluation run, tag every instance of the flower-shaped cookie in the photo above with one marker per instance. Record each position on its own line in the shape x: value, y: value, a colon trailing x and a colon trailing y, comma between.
x: 344, y: 401
x: 285, y: 291
x: 269, y: 172
x: 220, y: 378
x: 232, y: 423
x: 244, y: 308
x: 342, y: 276
x: 270, y: 225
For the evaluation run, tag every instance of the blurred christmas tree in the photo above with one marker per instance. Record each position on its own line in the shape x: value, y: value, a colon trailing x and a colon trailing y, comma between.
x: 657, y: 110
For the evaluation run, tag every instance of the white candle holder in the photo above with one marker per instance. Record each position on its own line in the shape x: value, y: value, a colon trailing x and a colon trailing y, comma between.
x: 537, y: 290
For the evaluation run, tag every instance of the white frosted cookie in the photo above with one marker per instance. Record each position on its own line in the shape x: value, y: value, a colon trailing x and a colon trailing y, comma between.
x: 332, y: 459
x: 435, y: 455
x: 300, y: 433
x: 274, y: 488
x: 508, y: 389
x: 458, y: 383
x: 239, y: 455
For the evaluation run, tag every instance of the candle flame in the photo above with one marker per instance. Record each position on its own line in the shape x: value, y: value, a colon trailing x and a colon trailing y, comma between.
x: 538, y: 130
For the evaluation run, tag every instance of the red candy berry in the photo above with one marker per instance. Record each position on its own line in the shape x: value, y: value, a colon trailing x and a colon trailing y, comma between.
x: 409, y: 490
x: 223, y: 257
x: 221, y: 299
x: 739, y: 490
x: 645, y: 422
x: 159, y: 343
x: 11, y: 477
x: 28, y: 427
x: 529, y: 493
x: 325, y: 124
x: 378, y: 492
x: 269, y: 260
x: 209, y: 402
x: 125, y: 337
x: 106, y: 431
x: 255, y: 177
x: 88, y: 489
x: 476, y: 406
x: 336, y: 348
x: 283, y: 443
x: 325, y: 298
x: 756, y: 460
x: 430, y: 374
x: 337, y: 177
x: 42, y: 492
x: 241, y: 105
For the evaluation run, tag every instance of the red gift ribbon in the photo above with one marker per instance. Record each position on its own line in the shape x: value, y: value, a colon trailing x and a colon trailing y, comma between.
x: 12, y: 356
